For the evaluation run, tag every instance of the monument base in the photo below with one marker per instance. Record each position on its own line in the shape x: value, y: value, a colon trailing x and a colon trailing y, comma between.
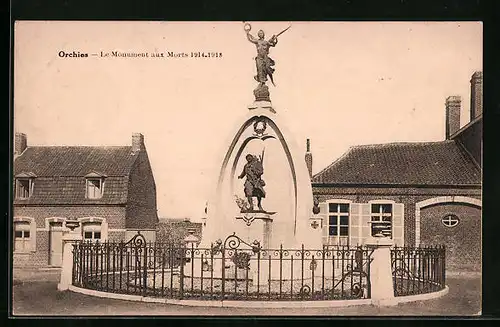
x: 262, y: 104
x: 252, y: 233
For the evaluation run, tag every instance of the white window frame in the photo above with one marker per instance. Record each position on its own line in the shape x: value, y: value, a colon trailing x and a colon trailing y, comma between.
x: 381, y: 214
x: 95, y: 220
x: 23, y: 243
x: 29, y: 243
x: 93, y: 228
x: 31, y: 184
x: 336, y: 239
x: 450, y: 217
x: 88, y: 183
x: 338, y: 214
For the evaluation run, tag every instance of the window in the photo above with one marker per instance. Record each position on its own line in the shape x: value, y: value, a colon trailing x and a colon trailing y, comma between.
x: 450, y: 220
x: 22, y: 236
x: 338, y: 219
x: 381, y: 217
x: 91, y: 231
x: 24, y: 188
x: 94, y: 188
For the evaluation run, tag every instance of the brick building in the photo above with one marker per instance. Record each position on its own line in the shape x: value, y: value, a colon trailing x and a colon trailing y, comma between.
x: 110, y: 190
x: 424, y: 193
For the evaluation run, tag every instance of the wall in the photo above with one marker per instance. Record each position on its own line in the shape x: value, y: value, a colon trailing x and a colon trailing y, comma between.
x: 141, y: 205
x: 114, y: 215
x: 406, y: 195
x: 463, y: 242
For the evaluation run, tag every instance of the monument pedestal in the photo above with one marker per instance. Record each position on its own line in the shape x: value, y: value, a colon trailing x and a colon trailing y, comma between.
x: 262, y: 105
x: 258, y: 226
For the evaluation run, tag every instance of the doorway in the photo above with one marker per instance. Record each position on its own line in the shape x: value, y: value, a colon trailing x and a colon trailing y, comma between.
x: 55, y: 244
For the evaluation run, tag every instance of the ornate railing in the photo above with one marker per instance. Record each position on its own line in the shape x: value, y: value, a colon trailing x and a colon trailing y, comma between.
x: 228, y: 270
x: 418, y: 270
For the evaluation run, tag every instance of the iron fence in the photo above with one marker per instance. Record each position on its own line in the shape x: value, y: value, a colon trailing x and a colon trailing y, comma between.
x: 418, y: 270
x: 227, y: 270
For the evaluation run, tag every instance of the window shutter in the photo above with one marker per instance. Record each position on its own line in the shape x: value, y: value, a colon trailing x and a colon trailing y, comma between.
x: 355, y: 224
x: 33, y: 236
x: 365, y: 215
x: 398, y: 224
x: 104, y: 231
x: 323, y: 206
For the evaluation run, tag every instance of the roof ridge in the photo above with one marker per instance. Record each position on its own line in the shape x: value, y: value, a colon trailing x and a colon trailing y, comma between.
x: 466, y: 154
x: 414, y: 143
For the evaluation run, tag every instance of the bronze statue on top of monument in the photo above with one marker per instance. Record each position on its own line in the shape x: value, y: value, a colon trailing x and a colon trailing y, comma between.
x: 263, y: 62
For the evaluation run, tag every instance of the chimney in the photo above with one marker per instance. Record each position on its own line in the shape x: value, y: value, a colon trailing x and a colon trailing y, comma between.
x: 309, y: 158
x: 137, y: 142
x: 20, y: 143
x: 453, y: 106
x: 476, y: 95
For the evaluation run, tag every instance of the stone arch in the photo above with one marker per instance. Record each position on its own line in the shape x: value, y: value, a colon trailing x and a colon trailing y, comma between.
x: 438, y: 200
x: 239, y: 151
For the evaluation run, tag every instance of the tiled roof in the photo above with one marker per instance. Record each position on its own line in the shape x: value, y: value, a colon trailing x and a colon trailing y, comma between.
x: 75, y: 160
x: 60, y: 173
x: 71, y: 190
x: 429, y: 163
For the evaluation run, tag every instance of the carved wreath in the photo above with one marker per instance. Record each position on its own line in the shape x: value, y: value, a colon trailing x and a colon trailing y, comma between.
x: 262, y: 129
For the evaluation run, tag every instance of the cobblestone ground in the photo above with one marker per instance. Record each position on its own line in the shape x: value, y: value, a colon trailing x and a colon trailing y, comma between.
x: 35, y: 293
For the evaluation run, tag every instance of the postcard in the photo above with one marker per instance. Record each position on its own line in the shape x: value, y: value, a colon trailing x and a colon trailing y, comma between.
x: 247, y: 168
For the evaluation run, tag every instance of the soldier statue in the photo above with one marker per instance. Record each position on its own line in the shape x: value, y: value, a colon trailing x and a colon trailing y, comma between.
x: 254, y: 185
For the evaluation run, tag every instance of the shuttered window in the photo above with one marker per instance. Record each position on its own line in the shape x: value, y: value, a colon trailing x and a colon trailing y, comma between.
x: 355, y: 223
x: 22, y: 236
x: 24, y: 188
x: 94, y: 188
x: 381, y: 218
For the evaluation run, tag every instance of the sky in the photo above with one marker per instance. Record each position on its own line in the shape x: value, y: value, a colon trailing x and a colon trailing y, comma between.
x: 340, y: 84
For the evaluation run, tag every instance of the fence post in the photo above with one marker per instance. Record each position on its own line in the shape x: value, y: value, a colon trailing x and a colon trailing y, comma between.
x: 67, y: 261
x: 381, y: 283
x: 145, y: 270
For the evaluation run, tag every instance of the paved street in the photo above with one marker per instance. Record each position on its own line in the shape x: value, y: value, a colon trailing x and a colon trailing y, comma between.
x: 35, y: 293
